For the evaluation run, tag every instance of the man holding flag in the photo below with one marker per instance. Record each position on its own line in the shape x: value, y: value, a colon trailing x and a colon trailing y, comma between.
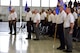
x: 60, y: 21
x: 60, y: 3
x: 28, y: 20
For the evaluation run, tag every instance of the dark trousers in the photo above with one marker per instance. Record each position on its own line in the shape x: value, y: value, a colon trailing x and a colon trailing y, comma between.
x: 78, y: 34
x: 60, y: 33
x: 68, y: 39
x: 12, y: 24
x: 29, y: 29
x: 32, y: 27
x: 42, y: 23
x: 37, y: 31
x: 50, y: 29
x: 75, y: 29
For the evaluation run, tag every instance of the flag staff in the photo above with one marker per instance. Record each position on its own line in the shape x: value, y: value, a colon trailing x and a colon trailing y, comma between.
x: 20, y: 12
x: 20, y: 25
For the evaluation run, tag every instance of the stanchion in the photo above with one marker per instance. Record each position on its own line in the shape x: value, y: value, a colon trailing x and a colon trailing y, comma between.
x: 55, y: 36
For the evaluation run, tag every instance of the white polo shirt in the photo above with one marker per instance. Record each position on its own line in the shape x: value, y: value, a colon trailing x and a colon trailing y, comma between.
x: 9, y: 17
x: 61, y: 17
x: 33, y: 15
x: 75, y: 15
x: 28, y: 16
x: 54, y: 18
x: 43, y: 15
x: 36, y: 18
x: 12, y: 16
x: 68, y: 20
x: 50, y: 17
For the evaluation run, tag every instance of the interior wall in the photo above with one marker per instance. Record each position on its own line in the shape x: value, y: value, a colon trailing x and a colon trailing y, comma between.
x: 4, y: 12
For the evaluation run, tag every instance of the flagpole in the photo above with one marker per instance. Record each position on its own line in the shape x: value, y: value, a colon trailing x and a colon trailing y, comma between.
x: 67, y: 2
x: 49, y: 3
x: 0, y: 3
x: 40, y: 3
x: 31, y: 4
x: 20, y: 12
x: 20, y: 25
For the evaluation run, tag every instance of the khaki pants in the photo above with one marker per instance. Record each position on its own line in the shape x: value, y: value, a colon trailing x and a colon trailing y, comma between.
x: 78, y: 22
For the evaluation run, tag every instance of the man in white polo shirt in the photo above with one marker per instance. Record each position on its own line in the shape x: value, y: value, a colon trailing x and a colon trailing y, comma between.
x: 75, y: 26
x: 60, y: 32
x: 29, y: 22
x: 12, y: 20
x: 54, y: 21
x: 36, y: 22
x: 68, y: 29
x: 50, y: 16
x: 43, y: 17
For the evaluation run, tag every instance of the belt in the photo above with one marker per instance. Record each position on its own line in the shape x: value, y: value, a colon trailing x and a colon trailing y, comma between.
x: 67, y: 28
x: 60, y: 24
x: 34, y: 23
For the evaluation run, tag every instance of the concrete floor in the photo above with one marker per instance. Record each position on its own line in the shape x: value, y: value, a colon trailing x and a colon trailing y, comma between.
x: 18, y: 44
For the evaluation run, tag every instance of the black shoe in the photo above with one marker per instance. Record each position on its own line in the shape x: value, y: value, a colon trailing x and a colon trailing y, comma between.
x: 60, y: 48
x: 27, y: 38
x: 10, y: 33
x: 50, y: 36
x: 35, y: 39
x: 67, y: 51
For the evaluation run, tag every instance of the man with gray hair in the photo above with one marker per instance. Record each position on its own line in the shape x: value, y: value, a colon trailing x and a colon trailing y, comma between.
x: 36, y: 22
x: 12, y: 20
x: 68, y: 29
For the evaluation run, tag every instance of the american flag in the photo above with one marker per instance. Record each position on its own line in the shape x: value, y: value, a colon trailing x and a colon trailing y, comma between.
x: 10, y: 6
x: 26, y: 6
x: 61, y: 2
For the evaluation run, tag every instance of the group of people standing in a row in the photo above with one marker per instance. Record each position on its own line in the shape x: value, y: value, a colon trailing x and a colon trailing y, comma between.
x: 64, y: 23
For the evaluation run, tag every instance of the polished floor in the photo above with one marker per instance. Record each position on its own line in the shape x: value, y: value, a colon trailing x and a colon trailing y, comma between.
x: 18, y: 44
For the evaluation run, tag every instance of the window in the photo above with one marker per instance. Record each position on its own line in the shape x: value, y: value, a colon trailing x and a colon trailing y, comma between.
x: 53, y: 3
x: 15, y: 2
x: 7, y: 3
x: 69, y: 0
x: 44, y: 3
x: 28, y: 2
x: 64, y: 0
x: 78, y: 0
x: 36, y: 3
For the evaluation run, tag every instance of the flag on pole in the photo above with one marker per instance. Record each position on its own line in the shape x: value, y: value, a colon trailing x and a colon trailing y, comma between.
x: 10, y: 6
x: 60, y: 3
x: 26, y: 6
x: 57, y: 10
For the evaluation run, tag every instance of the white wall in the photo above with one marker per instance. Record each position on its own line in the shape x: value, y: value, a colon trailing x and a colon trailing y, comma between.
x: 4, y: 12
